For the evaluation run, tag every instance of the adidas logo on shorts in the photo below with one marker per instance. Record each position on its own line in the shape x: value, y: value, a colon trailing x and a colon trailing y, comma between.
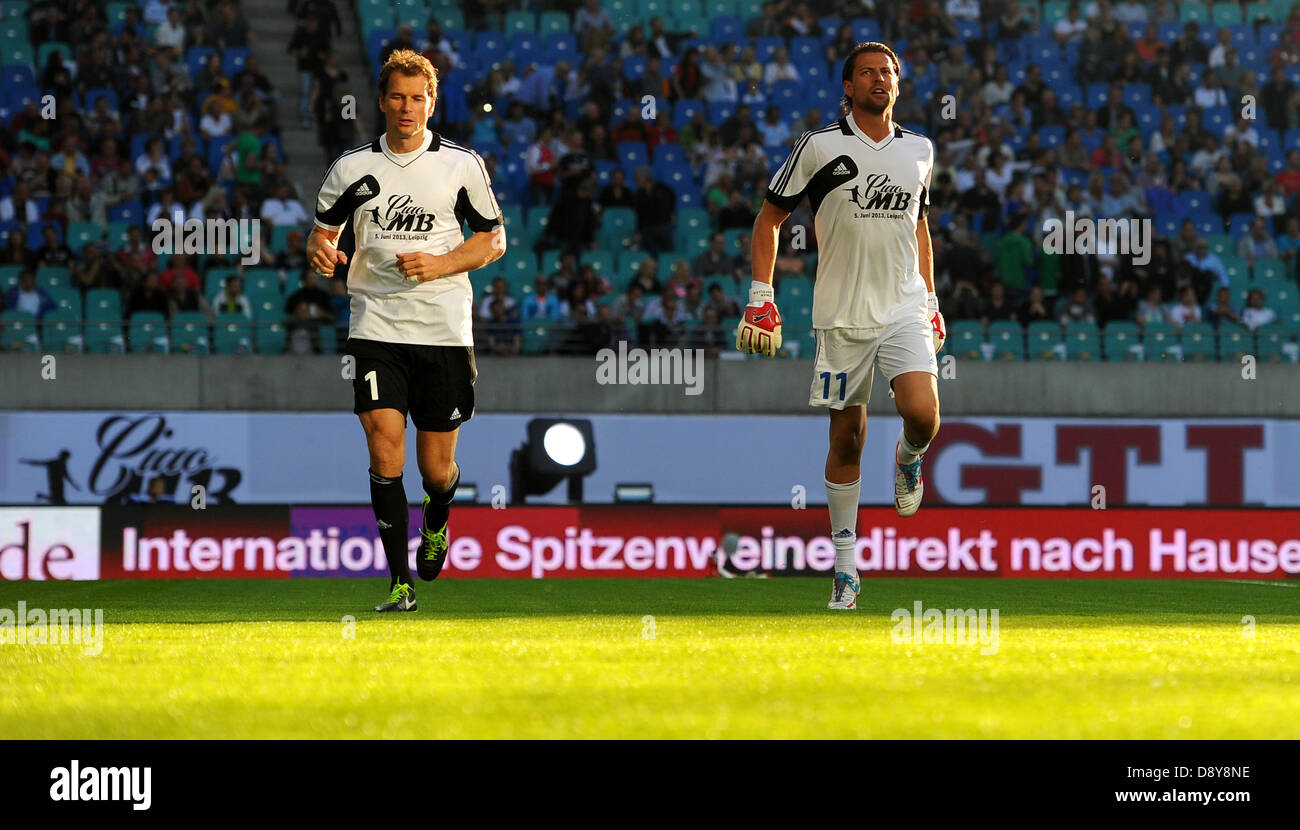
x: 455, y: 413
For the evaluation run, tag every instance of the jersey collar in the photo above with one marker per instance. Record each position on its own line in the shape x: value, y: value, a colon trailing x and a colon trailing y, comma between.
x: 850, y: 127
x: 432, y: 141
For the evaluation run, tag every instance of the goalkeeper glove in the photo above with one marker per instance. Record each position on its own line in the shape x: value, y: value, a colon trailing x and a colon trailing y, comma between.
x: 760, y: 329
x: 936, y: 320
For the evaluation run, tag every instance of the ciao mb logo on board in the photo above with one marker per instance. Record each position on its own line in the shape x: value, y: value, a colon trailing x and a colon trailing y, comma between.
x: 129, y: 457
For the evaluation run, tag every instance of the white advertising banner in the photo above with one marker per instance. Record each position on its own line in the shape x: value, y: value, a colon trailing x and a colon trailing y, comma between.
x: 92, y: 458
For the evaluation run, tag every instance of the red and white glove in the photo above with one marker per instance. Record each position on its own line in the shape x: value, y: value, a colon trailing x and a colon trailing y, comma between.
x: 759, y: 331
x: 936, y: 320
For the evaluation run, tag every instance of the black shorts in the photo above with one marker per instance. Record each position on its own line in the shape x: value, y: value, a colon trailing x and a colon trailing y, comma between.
x: 434, y: 384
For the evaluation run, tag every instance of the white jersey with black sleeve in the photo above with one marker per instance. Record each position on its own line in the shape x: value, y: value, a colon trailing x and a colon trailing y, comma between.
x: 403, y: 203
x: 866, y: 198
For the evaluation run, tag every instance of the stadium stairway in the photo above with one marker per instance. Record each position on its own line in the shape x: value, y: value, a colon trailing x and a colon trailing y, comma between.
x: 273, y: 28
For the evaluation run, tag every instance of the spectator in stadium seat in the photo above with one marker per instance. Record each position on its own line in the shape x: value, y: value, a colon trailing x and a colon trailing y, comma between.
x: 179, y: 270
x: 656, y: 212
x: 19, y: 207
x: 1204, y: 259
x: 1111, y: 304
x: 726, y: 306
x: 542, y: 304
x: 52, y: 251
x: 504, y: 334
x: 1273, y: 97
x: 170, y: 31
x: 166, y: 208
x: 340, y: 307
x: 517, y: 128
x: 294, y: 256
x: 147, y: 296
x: 768, y: 24
x: 539, y: 163
x: 687, y: 79
x: 216, y: 122
x: 403, y: 40
x: 28, y: 296
x: 710, y: 335
x: 1210, y: 93
x: 779, y: 68
x: 1233, y: 199
x: 592, y: 24
x: 1014, y: 254
x: 616, y: 193
x: 1071, y: 27
x: 1152, y: 309
x: 1076, y: 308
x: 1188, y: 47
x: 1232, y: 75
x: 283, y: 209
x: 310, y: 40
x: 230, y: 299
x: 714, y: 261
x: 1288, y: 246
x: 499, y: 292
x: 1186, y: 310
x: 1033, y: 309
x: 1257, y: 243
x: 631, y: 303
x: 1289, y: 178
x: 996, y: 306
x: 307, y: 310
x: 1256, y: 314
x: 965, y: 302
x: 718, y: 85
x: 94, y: 269
x: 182, y: 297
x: 1222, y: 310
x: 153, y: 158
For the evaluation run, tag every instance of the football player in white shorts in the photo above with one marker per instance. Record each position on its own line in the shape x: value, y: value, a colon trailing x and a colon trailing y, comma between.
x: 867, y: 182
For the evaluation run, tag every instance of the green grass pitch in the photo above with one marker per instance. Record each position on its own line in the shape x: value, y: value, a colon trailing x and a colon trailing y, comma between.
x: 721, y: 659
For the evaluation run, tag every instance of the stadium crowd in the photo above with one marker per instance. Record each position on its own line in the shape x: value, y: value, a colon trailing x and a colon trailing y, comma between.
x: 631, y: 143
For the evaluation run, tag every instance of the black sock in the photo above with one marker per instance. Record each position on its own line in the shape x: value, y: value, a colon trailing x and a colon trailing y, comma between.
x: 388, y: 498
x: 435, y: 515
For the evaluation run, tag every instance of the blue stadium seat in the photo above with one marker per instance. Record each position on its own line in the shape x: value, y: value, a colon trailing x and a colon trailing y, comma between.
x: 233, y: 60
x: 1195, y: 201
x: 559, y: 46
x: 720, y: 111
x: 1052, y: 136
x: 631, y: 155
x: 865, y: 29
x: 785, y: 93
x: 1239, y: 224
x: 526, y: 48
x: 728, y: 29
x: 764, y: 47
x: 1217, y: 119
x: 667, y: 153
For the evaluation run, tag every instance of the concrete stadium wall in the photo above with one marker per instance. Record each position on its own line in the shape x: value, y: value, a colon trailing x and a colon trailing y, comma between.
x: 568, y: 385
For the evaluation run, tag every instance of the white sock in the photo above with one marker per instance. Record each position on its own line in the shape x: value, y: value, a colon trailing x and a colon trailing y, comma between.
x: 842, y: 499
x: 907, y: 453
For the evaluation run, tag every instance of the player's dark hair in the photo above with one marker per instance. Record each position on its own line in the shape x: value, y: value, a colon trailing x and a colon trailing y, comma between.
x: 846, y: 106
x: 409, y: 63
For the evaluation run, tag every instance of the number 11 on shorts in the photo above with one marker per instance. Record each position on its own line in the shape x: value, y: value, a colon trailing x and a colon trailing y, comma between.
x: 842, y: 377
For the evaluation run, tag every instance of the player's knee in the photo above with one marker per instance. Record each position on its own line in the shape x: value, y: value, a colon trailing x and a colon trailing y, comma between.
x: 441, y: 475
x: 923, y: 419
x: 846, y: 446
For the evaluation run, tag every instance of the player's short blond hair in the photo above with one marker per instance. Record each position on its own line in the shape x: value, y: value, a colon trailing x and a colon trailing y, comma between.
x: 410, y: 64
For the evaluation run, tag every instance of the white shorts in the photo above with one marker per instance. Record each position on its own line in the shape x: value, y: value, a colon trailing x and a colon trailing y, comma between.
x: 846, y: 359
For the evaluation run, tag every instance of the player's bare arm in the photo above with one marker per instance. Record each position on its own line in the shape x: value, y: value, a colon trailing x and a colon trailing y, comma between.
x: 925, y: 265
x: 323, y: 253
x: 759, y: 331
x: 482, y: 248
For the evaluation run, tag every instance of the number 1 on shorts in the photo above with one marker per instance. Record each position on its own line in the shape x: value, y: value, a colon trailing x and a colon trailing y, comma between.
x: 373, y: 377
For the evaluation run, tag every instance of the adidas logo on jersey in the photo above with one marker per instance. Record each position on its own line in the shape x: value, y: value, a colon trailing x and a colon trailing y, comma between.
x: 455, y: 413
x: 841, y: 170
x: 364, y: 190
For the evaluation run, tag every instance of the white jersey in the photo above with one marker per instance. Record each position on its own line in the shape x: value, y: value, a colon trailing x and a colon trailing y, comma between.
x: 866, y: 198
x: 407, y: 203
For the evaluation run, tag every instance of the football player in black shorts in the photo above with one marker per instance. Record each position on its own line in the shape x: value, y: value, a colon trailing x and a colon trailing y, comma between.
x: 407, y: 195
